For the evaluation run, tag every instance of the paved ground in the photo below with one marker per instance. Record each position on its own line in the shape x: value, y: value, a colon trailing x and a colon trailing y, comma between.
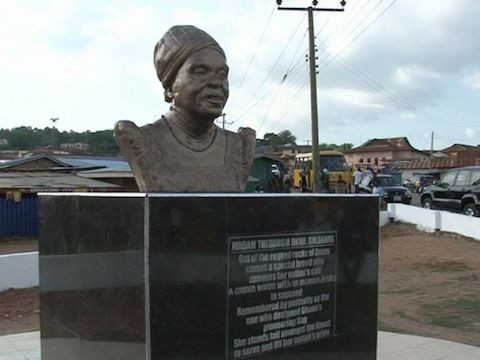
x: 26, y: 346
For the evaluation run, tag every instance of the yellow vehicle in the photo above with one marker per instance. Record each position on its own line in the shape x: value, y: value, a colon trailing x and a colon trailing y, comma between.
x: 335, y: 162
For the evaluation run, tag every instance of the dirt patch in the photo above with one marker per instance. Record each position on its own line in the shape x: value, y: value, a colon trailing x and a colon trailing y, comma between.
x: 19, y: 311
x: 429, y: 286
x: 10, y: 245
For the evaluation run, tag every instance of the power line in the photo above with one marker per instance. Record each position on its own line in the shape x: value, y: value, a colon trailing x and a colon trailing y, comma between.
x: 275, y: 64
x: 345, y: 20
x: 356, y: 37
x: 275, y: 97
x: 297, y: 51
x: 259, y: 101
x: 256, y: 49
x: 288, y: 107
x: 289, y: 98
x: 362, y: 20
x: 396, y: 99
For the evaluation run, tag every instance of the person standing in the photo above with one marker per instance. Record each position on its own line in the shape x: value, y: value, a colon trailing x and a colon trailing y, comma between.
x: 340, y: 187
x: 326, y: 179
x: 357, y: 178
x: 303, y: 180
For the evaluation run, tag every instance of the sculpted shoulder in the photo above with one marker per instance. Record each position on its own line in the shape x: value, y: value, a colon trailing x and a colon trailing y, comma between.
x: 245, y: 144
x: 125, y: 128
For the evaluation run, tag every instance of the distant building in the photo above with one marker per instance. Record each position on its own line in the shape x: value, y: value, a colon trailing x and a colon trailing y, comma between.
x: 380, y: 153
x: 44, y: 172
x: 456, y: 155
x: 3, y: 142
x: 457, y: 149
x: 75, y: 147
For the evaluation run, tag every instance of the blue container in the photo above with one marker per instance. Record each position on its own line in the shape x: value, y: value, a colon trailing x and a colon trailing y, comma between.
x: 19, y: 218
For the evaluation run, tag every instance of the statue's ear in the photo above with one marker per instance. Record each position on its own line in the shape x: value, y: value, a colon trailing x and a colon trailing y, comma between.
x: 168, y: 93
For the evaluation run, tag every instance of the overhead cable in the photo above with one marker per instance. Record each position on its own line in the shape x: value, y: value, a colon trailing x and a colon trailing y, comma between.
x: 256, y: 48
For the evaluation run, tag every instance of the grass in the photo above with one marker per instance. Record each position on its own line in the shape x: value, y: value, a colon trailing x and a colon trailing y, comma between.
x: 471, y: 277
x: 402, y: 291
x: 443, y: 266
x: 385, y: 327
x: 404, y: 315
x: 460, y: 313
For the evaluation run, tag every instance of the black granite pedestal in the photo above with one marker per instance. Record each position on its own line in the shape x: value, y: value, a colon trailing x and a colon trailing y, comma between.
x: 176, y: 276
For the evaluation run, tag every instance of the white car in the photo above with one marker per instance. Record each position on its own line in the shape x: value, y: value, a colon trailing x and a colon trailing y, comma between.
x: 275, y: 170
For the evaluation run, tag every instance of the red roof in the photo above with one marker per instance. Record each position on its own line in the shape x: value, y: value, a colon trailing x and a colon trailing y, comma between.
x: 388, y: 144
x: 441, y: 163
x: 460, y: 147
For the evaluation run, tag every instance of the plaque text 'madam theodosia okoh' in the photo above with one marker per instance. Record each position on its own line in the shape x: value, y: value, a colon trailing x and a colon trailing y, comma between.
x: 281, y: 291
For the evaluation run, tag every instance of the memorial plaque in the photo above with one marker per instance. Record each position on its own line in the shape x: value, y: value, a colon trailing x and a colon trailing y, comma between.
x: 209, y: 276
x: 281, y: 291
x: 264, y: 277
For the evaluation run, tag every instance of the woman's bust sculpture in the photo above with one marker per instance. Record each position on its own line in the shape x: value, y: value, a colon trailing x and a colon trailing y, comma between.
x: 185, y: 151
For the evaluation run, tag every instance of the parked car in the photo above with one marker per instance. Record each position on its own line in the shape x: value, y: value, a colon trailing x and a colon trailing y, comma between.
x: 457, y: 190
x: 417, y: 182
x: 275, y: 170
x: 386, y: 188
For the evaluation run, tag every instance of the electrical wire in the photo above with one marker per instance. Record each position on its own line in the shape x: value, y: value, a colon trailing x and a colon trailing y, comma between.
x: 362, y: 20
x: 292, y: 78
x: 299, y: 85
x: 274, y: 65
x: 388, y: 94
x: 294, y: 83
x: 288, y: 107
x: 256, y: 48
x: 341, y: 25
x: 356, y: 37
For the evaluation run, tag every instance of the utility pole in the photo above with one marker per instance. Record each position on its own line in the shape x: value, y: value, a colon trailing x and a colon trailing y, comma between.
x: 53, y: 120
x: 431, y: 153
x: 431, y: 146
x: 317, y: 185
x: 225, y: 122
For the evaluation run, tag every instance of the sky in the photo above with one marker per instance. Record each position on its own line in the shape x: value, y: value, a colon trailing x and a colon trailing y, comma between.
x: 386, y: 68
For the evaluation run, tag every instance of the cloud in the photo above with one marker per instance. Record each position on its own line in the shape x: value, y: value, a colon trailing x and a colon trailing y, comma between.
x: 469, y: 133
x: 90, y: 63
x: 473, y: 80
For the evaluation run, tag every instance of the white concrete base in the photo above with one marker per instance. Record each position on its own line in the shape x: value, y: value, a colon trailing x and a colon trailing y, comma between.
x: 391, y: 346
x: 18, y: 270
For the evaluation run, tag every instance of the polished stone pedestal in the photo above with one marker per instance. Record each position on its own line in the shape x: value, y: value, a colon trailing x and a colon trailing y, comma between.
x: 174, y: 276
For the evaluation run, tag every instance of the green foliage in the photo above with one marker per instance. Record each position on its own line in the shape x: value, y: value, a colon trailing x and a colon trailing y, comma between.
x: 282, y: 138
x: 343, y: 147
x: 286, y: 137
x: 28, y: 138
x: 461, y: 313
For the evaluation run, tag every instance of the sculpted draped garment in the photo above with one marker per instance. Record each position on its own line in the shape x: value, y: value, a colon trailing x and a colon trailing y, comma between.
x: 161, y: 161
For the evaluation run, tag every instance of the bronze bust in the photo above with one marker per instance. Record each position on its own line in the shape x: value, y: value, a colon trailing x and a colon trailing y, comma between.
x: 185, y: 151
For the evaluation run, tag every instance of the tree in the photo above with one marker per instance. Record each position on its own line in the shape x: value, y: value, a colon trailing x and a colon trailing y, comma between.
x: 282, y: 138
x: 343, y: 147
x: 286, y: 137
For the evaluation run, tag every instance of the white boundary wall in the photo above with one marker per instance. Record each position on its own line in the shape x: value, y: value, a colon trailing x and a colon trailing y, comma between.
x: 384, y: 218
x: 18, y: 270
x: 21, y: 270
x: 431, y: 220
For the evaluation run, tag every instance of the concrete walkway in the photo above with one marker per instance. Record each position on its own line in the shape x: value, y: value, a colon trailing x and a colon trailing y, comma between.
x: 391, y: 346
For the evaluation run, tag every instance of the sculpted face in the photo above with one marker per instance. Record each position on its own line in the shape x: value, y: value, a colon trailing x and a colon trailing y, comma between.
x: 201, y: 85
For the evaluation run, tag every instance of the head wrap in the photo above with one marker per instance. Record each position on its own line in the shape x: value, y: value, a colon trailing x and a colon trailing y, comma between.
x: 175, y: 47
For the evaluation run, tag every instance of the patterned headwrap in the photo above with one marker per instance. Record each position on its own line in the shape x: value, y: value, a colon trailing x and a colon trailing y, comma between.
x: 175, y: 47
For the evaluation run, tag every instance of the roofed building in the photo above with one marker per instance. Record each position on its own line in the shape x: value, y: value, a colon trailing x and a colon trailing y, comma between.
x: 378, y: 153
x: 44, y: 172
x: 457, y: 155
